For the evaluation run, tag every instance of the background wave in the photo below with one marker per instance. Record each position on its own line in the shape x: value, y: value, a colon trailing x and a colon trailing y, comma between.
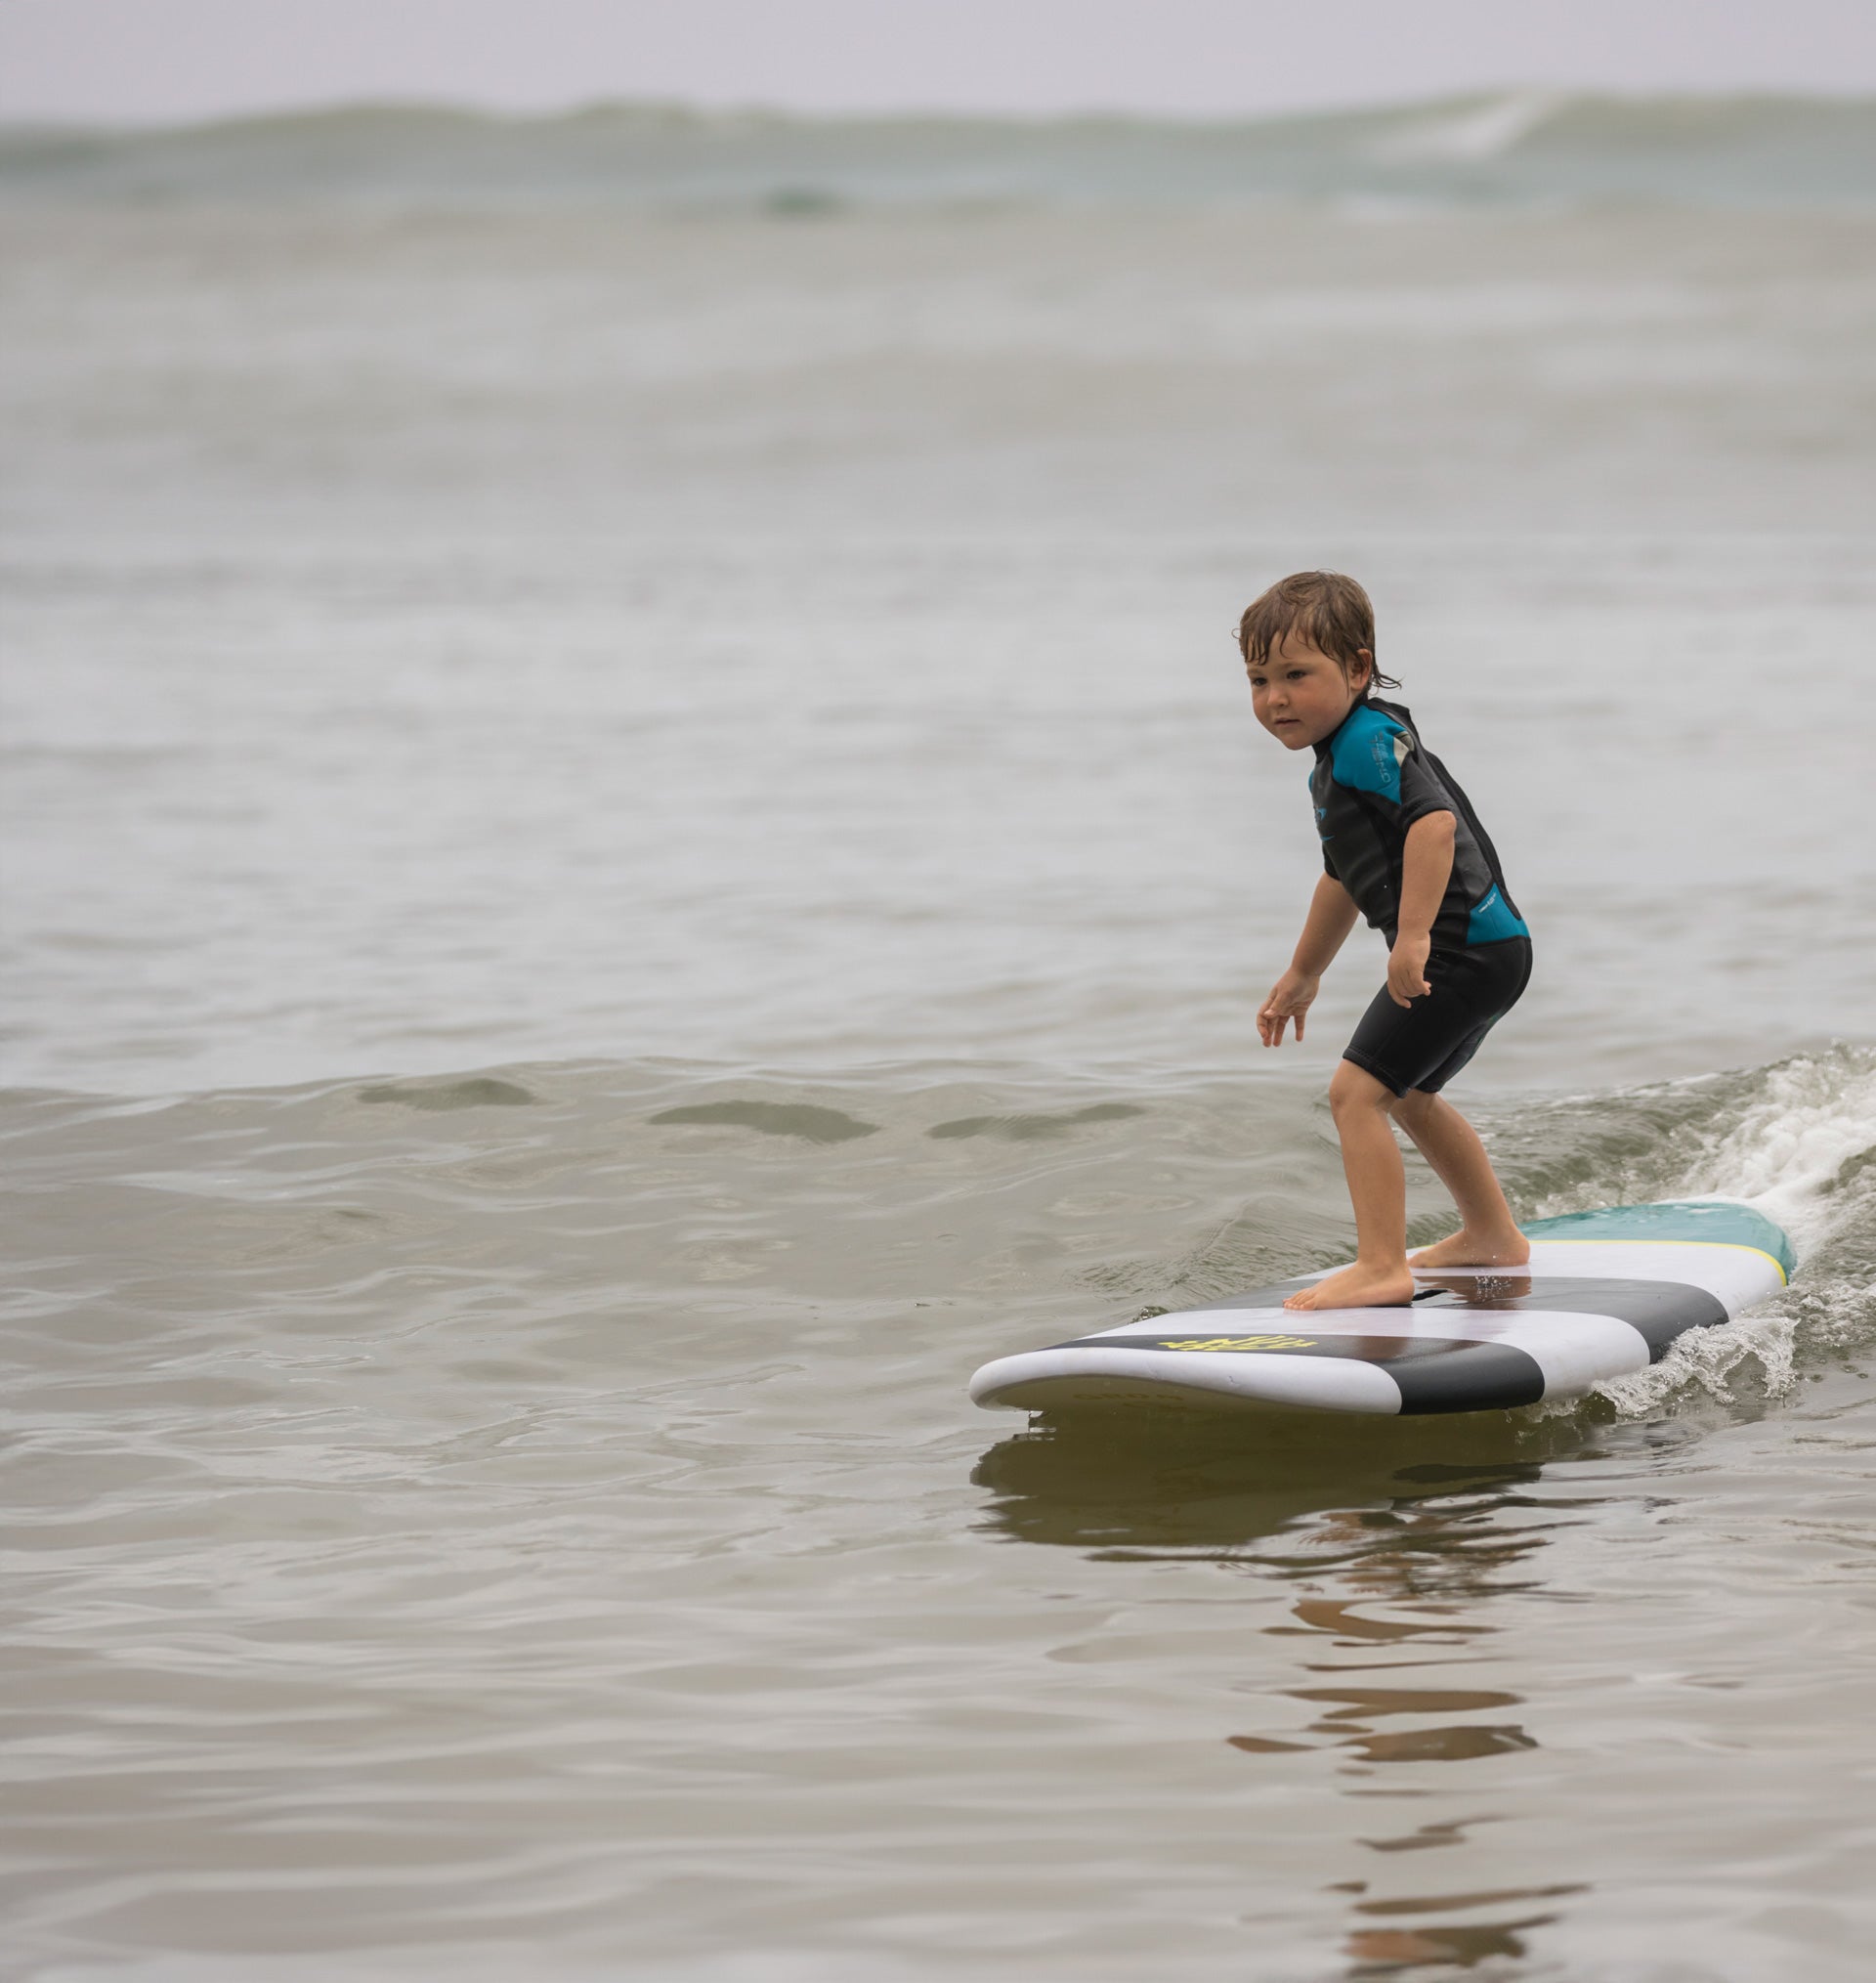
x: 1519, y: 148
x: 1009, y: 1200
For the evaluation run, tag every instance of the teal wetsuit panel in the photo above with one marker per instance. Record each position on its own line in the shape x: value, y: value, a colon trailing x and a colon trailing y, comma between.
x: 1373, y: 779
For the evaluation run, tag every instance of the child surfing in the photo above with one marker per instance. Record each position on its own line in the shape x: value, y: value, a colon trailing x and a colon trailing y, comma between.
x: 1403, y: 849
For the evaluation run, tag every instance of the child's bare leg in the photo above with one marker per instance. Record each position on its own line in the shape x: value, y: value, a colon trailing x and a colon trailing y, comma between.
x: 1378, y: 1189
x: 1488, y: 1235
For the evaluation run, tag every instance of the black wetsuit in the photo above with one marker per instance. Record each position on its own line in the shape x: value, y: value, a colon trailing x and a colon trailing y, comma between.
x: 1373, y: 779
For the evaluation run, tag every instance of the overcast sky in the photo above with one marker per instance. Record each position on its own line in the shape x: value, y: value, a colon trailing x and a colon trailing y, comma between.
x: 173, y: 59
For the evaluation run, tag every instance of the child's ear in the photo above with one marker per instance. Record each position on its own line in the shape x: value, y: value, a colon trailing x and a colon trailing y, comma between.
x: 1364, y: 677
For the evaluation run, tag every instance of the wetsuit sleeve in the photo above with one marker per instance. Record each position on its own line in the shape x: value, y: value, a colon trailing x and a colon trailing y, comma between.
x: 1421, y: 789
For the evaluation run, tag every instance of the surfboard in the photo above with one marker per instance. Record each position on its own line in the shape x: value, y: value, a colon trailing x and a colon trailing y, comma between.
x: 1605, y: 1293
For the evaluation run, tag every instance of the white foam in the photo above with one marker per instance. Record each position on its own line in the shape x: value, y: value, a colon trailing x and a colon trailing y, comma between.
x: 1704, y: 1359
x: 1470, y: 136
x: 1785, y: 1151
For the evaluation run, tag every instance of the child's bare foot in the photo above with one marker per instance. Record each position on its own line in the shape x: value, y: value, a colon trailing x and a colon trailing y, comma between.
x: 1464, y: 1248
x: 1358, y: 1287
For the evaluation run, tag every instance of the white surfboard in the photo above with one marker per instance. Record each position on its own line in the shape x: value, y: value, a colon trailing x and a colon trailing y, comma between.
x: 1605, y: 1293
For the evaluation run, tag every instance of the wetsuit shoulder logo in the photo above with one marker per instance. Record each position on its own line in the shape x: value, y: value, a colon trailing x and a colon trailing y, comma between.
x: 1368, y: 753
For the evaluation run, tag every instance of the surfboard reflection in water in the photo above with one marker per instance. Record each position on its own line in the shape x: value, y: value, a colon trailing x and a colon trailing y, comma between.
x: 1397, y: 1559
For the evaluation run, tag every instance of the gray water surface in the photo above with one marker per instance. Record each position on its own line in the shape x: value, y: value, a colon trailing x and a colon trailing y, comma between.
x: 632, y: 839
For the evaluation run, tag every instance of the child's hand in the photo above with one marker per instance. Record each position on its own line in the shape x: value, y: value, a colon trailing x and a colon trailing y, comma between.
x: 1407, y: 969
x: 1291, y: 997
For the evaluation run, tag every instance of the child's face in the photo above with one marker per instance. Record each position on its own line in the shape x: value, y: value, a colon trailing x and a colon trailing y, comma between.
x: 1300, y: 694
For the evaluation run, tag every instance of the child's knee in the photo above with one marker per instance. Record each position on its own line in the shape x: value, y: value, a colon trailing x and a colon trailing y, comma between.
x: 1354, y: 1088
x: 1415, y: 1108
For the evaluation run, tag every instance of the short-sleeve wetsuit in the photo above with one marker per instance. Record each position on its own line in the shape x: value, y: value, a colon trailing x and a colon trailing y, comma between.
x: 1373, y: 779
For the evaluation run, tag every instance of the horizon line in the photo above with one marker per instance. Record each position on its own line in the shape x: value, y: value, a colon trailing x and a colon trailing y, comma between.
x: 759, y: 109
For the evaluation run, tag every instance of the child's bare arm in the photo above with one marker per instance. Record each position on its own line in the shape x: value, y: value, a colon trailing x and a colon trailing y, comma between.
x: 1425, y: 867
x: 1325, y: 930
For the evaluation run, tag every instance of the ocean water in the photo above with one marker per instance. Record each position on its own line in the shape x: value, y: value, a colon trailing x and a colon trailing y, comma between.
x: 630, y: 837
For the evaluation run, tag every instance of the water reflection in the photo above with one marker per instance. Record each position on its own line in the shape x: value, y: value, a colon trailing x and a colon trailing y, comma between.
x: 1364, y: 1704
x: 1142, y: 1482
x: 1427, y: 1838
x: 1401, y: 1534
x: 1388, y: 1950
x: 1339, y: 1616
x: 1346, y: 1727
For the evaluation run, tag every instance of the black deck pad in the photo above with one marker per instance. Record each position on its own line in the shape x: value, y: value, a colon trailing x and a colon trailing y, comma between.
x: 1658, y: 1310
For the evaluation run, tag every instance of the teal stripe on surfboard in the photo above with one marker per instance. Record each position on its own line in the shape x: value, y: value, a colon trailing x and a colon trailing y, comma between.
x: 1703, y: 1222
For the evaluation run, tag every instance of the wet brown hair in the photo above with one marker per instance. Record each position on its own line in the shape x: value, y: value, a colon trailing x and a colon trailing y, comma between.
x: 1329, y: 610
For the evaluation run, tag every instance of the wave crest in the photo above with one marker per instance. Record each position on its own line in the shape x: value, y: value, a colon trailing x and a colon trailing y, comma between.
x: 1511, y: 147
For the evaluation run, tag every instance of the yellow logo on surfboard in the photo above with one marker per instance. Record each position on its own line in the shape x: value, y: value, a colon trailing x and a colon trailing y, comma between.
x: 1243, y: 1343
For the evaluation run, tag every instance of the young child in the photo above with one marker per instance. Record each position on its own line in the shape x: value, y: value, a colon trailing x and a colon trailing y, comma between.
x: 1402, y: 846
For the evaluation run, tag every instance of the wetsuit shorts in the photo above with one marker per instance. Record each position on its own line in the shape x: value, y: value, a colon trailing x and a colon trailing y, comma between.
x: 1423, y: 1044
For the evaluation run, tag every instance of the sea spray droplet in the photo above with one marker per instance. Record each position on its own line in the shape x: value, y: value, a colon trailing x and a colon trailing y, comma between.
x: 775, y: 1118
